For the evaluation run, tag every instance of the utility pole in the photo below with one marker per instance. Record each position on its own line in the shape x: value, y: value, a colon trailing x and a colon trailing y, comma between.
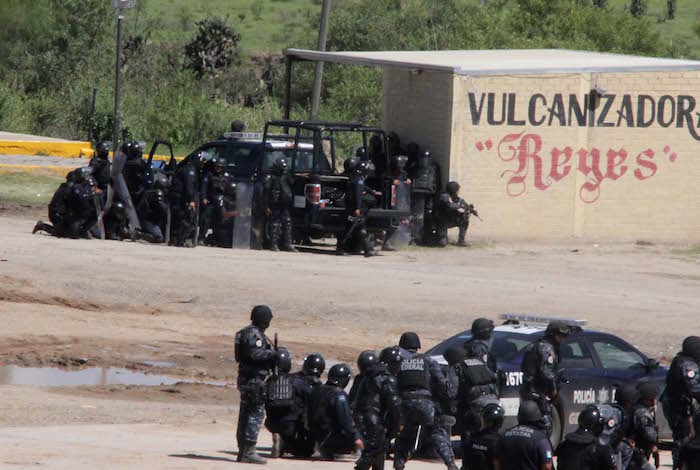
x: 119, y: 5
x: 318, y: 75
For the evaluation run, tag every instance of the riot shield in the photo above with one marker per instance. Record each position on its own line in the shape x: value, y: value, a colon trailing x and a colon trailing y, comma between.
x: 122, y: 192
x: 401, y: 237
x: 168, y: 222
x: 244, y: 216
x: 98, y: 213
x: 117, y: 167
x: 403, y: 197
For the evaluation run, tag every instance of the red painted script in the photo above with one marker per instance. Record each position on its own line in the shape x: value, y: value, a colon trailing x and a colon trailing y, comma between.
x: 543, y: 168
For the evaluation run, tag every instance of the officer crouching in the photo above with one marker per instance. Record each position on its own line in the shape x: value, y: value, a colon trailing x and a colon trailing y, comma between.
x: 255, y: 357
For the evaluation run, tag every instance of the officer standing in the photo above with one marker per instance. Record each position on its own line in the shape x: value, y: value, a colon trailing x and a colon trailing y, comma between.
x: 365, y: 360
x: 255, y: 358
x: 483, y: 452
x: 278, y: 198
x: 212, y: 205
x: 581, y: 449
x: 331, y: 418
x: 540, y: 370
x: 426, y: 183
x: 101, y: 167
x: 682, y: 387
x: 183, y: 201
x: 689, y: 456
x: 645, y: 432
x: 478, y: 387
x: 420, y: 382
x: 526, y: 446
x: 478, y: 346
x: 613, y: 418
x: 134, y: 168
x: 453, y: 211
x: 626, y: 398
x: 376, y: 413
x: 356, y: 208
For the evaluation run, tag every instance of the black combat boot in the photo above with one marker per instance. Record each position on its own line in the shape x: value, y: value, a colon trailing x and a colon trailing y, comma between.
x: 248, y: 454
x: 287, y: 239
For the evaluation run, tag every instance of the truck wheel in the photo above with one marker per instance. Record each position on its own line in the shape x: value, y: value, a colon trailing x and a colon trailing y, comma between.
x: 557, y: 427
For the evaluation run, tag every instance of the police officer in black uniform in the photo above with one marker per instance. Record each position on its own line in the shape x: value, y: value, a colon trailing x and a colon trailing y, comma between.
x: 478, y: 346
x: 376, y: 412
x: 612, y: 435
x: 356, y: 208
x: 478, y: 387
x: 689, y: 455
x: 183, y: 196
x: 453, y: 211
x: 294, y: 436
x: 626, y: 398
x: 255, y: 357
x: 526, y: 446
x: 134, y: 168
x: 152, y: 211
x: 101, y: 167
x: 213, y: 189
x: 278, y: 198
x: 483, y: 452
x: 365, y: 360
x: 421, y: 382
x: 581, y: 449
x: 332, y: 425
x: 426, y: 184
x: 682, y: 393
x: 540, y: 370
x: 645, y: 432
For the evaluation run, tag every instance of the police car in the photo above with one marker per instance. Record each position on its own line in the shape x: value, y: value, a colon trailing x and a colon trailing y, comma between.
x: 594, y: 366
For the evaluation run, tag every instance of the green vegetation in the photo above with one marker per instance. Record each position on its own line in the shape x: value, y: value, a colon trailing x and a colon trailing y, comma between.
x: 28, y: 188
x: 53, y: 52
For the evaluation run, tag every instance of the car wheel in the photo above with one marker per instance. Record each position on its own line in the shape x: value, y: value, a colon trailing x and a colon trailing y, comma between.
x: 557, y: 427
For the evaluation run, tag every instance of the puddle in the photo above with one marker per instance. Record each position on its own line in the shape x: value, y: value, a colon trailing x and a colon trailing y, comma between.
x: 54, y: 377
x: 159, y: 363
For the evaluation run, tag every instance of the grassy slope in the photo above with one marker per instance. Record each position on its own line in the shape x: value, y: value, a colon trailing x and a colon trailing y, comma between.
x: 679, y: 29
x: 28, y: 188
x: 267, y: 25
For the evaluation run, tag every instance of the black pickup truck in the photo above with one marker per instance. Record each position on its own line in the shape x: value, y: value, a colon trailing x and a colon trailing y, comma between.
x: 319, y: 188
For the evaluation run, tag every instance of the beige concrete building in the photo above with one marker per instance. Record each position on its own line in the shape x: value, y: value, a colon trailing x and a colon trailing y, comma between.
x: 553, y: 144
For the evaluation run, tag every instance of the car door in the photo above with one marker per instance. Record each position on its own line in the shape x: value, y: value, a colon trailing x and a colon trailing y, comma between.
x: 621, y: 363
x: 582, y: 380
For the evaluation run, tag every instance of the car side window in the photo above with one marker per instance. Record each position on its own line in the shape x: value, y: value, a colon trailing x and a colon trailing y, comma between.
x: 575, y: 355
x: 244, y: 160
x: 614, y: 355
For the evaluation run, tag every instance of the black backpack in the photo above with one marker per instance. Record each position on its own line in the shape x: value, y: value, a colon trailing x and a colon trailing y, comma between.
x: 280, y: 393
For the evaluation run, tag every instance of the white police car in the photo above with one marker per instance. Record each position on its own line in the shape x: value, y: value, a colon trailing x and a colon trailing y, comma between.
x: 594, y: 366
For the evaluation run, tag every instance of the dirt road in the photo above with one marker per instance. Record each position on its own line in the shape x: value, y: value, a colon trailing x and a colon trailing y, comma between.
x: 74, y: 304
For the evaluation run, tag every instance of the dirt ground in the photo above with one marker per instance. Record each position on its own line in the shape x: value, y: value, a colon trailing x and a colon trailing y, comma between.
x: 74, y: 304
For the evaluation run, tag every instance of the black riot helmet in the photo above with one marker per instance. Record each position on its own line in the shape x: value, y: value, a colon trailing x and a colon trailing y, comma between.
x: 219, y: 165
x: 648, y: 393
x: 452, y: 188
x: 424, y: 159
x: 261, y: 316
x: 591, y: 421
x: 482, y: 328
x: 691, y: 347
x: 339, y: 375
x: 279, y: 166
x: 627, y: 395
x: 363, y: 168
x: 455, y: 355
x: 361, y: 153
x: 132, y: 150
x: 529, y: 413
x: 493, y: 416
x: 284, y: 360
x: 160, y: 181
x: 399, y: 162
x: 350, y: 165
x: 557, y: 328
x: 409, y: 340
x: 102, y: 149
x: 367, y: 359
x: 391, y: 356
x: 237, y: 126
x: 314, y: 364
x: 118, y: 212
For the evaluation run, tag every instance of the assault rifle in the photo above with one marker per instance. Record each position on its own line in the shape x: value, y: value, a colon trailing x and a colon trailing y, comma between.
x: 356, y: 220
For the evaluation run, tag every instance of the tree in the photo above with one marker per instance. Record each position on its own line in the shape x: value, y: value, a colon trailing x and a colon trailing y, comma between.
x: 214, y: 48
x: 638, y: 8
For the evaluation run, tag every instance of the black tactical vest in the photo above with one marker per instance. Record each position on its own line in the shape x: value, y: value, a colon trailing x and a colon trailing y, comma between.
x: 477, y: 380
x: 413, y: 374
x: 279, y: 392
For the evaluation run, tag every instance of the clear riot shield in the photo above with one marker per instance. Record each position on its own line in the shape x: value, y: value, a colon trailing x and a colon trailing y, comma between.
x: 122, y: 192
x: 117, y: 167
x: 244, y: 216
x: 403, y: 197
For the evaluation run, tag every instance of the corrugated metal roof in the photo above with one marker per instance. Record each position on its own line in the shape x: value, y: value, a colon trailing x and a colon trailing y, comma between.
x: 501, y: 61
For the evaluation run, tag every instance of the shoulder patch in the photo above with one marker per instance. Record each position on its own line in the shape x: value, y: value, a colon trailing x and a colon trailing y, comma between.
x: 549, y: 454
x: 550, y: 359
x: 611, y: 423
x: 485, y: 358
x: 258, y: 343
x: 691, y: 374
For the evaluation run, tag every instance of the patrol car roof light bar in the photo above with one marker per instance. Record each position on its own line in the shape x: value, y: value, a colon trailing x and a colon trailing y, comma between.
x: 518, y: 318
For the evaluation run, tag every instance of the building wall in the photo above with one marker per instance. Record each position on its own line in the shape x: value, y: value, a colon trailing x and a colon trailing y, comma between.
x: 419, y: 108
x: 536, y: 172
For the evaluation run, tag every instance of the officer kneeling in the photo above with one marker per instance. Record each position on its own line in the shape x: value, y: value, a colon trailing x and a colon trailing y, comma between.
x: 581, y: 449
x: 331, y: 419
